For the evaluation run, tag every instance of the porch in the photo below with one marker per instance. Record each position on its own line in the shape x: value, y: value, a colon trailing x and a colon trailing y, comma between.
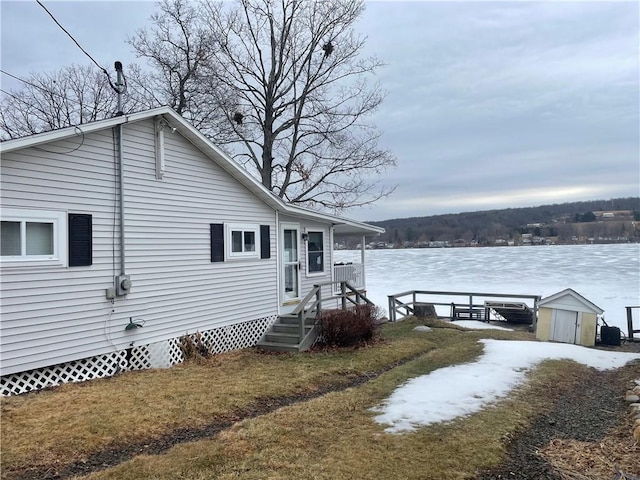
x: 352, y: 273
x: 298, y: 330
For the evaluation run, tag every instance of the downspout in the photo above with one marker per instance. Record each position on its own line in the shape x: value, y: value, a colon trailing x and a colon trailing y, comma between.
x: 332, y: 259
x: 277, y: 235
x: 362, y: 256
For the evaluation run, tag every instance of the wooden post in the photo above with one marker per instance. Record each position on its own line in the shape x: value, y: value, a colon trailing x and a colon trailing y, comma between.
x: 392, y: 308
x: 319, y: 301
x: 343, y: 291
x: 301, y: 320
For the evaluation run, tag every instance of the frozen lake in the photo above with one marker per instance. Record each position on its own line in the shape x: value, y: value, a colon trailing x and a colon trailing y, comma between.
x: 607, y: 275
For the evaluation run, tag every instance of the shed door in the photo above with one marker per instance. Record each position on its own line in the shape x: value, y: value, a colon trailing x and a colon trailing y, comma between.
x: 564, y: 326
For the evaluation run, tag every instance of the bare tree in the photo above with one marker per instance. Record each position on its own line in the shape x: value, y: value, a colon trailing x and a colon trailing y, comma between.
x: 179, y: 49
x: 71, y: 96
x: 302, y: 96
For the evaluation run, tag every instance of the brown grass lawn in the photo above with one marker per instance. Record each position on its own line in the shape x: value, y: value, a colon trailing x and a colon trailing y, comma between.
x: 331, y: 435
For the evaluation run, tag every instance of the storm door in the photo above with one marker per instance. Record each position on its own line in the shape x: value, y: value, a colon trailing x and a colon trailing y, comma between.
x: 290, y: 263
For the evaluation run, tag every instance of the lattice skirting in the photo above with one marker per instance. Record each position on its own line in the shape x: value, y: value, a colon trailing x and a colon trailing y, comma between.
x: 155, y: 355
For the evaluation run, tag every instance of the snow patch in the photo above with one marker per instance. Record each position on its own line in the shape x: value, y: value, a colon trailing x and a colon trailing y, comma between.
x: 459, y: 390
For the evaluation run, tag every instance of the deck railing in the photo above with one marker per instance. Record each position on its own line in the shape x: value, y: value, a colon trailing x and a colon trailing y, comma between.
x: 404, y: 303
x: 631, y: 331
x: 353, y: 273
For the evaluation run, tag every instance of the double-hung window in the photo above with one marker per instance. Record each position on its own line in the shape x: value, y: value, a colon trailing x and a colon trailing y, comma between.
x: 315, y: 252
x: 33, y: 236
x: 243, y: 240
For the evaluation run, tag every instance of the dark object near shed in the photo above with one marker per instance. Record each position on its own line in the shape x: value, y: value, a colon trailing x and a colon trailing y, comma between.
x: 610, y: 335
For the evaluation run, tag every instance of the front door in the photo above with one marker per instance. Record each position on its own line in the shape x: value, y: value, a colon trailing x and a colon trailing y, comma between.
x: 290, y: 263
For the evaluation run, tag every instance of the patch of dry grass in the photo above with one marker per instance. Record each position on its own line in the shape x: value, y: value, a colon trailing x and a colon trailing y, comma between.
x: 70, y: 422
x: 335, y: 436
x: 329, y: 437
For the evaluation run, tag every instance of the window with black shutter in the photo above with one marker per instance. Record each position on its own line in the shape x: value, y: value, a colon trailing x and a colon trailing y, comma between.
x: 80, y: 239
x: 265, y: 242
x: 217, y: 242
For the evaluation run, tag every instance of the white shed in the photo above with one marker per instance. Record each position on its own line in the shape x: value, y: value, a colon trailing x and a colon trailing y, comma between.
x: 567, y: 317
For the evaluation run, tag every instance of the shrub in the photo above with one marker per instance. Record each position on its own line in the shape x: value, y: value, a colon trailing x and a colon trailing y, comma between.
x: 344, y: 328
x: 193, y: 347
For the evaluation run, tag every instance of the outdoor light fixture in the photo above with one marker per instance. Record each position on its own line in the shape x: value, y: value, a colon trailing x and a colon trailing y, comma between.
x: 305, y: 237
x: 133, y: 325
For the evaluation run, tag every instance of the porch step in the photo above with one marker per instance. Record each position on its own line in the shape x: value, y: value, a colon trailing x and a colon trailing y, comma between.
x: 284, y: 334
x: 288, y: 328
x: 277, y: 346
x: 281, y: 337
x: 288, y: 319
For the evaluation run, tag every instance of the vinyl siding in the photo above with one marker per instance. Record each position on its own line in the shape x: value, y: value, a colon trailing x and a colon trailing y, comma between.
x: 56, y: 314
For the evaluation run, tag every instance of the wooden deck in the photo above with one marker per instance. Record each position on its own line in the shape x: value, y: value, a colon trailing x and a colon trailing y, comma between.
x: 468, y: 305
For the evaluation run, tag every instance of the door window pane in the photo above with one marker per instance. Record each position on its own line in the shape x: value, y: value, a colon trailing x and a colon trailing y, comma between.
x: 10, y: 238
x: 291, y: 245
x: 39, y: 238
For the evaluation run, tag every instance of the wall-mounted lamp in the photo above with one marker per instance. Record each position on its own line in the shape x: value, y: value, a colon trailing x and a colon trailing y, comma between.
x: 305, y: 237
x: 133, y: 325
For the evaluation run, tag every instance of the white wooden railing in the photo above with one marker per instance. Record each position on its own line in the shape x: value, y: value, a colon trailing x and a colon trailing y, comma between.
x: 348, y: 272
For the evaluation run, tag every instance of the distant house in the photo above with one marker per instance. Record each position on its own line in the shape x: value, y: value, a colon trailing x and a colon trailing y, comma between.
x: 122, y: 235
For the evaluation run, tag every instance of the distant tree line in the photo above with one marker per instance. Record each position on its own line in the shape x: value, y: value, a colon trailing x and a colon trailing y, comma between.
x: 562, y: 221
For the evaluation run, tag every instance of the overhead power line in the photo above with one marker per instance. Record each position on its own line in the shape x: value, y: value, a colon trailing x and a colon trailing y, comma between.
x: 79, y: 46
x: 71, y: 37
x: 27, y: 82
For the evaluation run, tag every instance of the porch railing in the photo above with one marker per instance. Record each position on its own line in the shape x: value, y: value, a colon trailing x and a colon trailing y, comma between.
x: 309, y: 309
x: 353, y: 273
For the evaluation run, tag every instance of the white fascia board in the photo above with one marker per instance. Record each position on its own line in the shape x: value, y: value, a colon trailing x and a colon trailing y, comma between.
x: 571, y: 293
x: 60, y: 134
x: 342, y: 225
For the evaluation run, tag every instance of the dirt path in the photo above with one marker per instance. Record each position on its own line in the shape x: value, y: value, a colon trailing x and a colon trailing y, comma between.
x: 586, y: 413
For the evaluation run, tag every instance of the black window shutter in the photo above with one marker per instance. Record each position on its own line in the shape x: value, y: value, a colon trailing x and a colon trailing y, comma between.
x: 265, y: 242
x: 80, y: 239
x: 217, y: 242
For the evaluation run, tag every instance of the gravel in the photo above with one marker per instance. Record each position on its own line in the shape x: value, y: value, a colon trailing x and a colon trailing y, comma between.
x: 587, y: 411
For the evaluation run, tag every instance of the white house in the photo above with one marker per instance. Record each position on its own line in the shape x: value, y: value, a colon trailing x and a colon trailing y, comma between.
x: 122, y: 235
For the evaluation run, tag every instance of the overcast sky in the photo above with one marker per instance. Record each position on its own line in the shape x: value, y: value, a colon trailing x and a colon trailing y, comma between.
x: 490, y: 105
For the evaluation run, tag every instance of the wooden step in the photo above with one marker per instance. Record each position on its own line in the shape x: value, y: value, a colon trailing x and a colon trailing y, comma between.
x: 277, y: 346
x: 293, y: 320
x: 288, y: 328
x: 280, y: 337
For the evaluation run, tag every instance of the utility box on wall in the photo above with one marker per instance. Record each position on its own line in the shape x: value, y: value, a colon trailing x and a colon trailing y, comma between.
x: 567, y: 317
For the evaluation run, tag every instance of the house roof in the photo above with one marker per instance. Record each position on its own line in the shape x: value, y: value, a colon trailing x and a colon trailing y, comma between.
x: 556, y: 298
x: 342, y: 225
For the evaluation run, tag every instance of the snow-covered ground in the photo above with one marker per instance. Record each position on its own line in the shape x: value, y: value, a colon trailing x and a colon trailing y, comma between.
x: 479, y: 325
x: 607, y: 275
x: 459, y: 390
